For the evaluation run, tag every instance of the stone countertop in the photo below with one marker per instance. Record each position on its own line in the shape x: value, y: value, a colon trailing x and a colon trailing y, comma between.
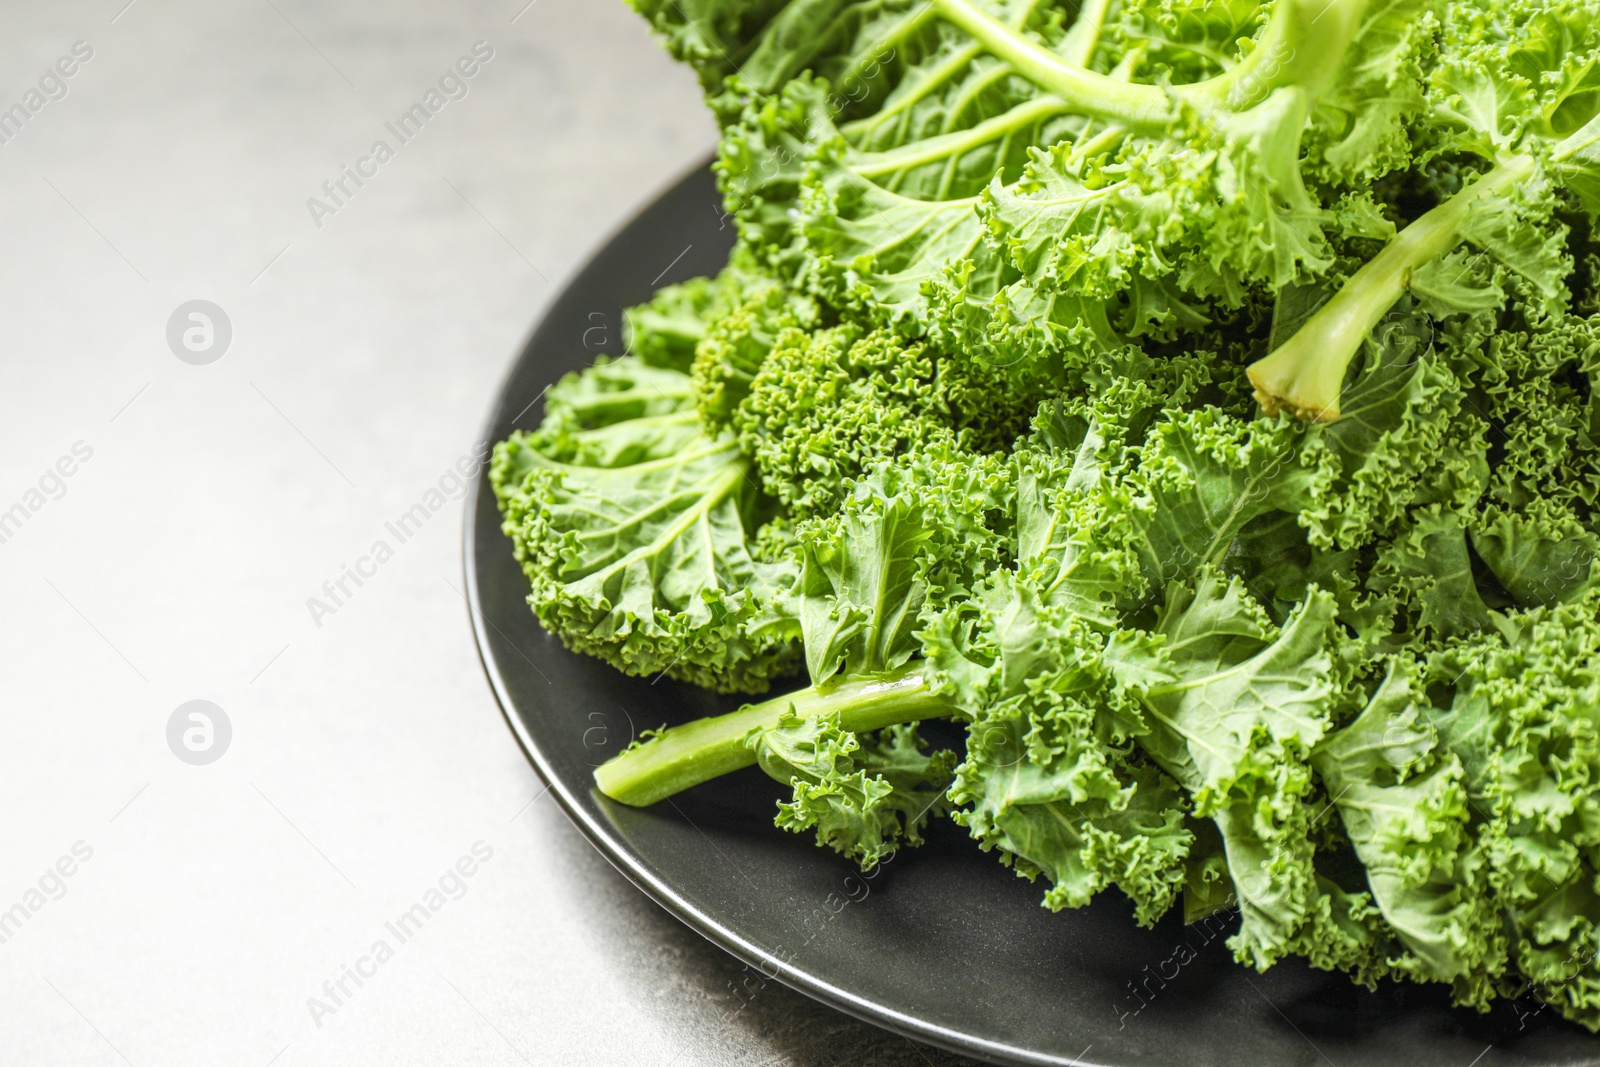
x: 177, y: 493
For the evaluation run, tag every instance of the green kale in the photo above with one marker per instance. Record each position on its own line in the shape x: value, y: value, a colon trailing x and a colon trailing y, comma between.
x: 634, y: 529
x: 1193, y: 404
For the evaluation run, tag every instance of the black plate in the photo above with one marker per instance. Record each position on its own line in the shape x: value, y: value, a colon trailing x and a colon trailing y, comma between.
x: 943, y: 943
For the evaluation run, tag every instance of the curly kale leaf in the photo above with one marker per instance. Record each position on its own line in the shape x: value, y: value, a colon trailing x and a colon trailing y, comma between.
x: 912, y: 537
x: 732, y: 349
x: 634, y: 530
x: 1049, y: 783
x: 1027, y: 194
x: 1511, y: 90
x: 1520, y: 718
x: 1402, y: 798
x: 1410, y: 434
x: 1233, y: 707
x: 824, y: 407
x: 864, y: 795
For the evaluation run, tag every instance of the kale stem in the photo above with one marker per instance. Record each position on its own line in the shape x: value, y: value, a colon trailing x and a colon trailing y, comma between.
x: 1305, y: 374
x: 1084, y: 90
x: 684, y: 756
x: 1303, y: 44
x: 1084, y: 36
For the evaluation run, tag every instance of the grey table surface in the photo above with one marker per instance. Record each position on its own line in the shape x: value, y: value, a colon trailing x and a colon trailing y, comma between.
x: 156, y: 912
